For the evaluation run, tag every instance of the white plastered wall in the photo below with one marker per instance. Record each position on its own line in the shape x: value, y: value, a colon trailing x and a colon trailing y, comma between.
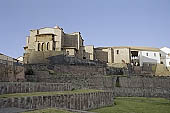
x: 149, y: 57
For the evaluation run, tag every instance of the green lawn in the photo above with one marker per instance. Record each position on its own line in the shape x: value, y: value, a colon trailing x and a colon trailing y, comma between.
x: 48, y: 93
x: 50, y: 110
x: 137, y: 105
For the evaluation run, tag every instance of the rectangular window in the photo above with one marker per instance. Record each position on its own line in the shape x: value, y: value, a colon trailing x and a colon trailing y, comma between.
x: 37, y: 32
x: 155, y: 54
x: 67, y: 52
x: 147, y: 54
x: 169, y: 63
x: 117, y: 51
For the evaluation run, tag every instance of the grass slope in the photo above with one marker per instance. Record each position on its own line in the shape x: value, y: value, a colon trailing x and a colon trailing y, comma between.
x: 50, y: 110
x: 137, y: 105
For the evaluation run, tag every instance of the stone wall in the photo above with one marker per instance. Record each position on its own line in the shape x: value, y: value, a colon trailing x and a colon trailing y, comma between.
x: 83, y: 101
x: 71, y: 41
x: 78, y: 82
x: 101, y: 55
x: 144, y: 82
x: 104, y: 82
x: 11, y: 72
x: 75, y: 70
x: 79, y: 70
x: 141, y: 92
x: 139, y: 86
x: 92, y: 77
x: 150, y: 69
x: 27, y: 87
x: 121, y: 55
x: 67, y: 69
x: 34, y: 57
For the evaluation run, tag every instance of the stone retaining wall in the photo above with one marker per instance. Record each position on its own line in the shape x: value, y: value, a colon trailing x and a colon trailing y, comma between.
x: 11, y: 73
x: 144, y: 82
x: 66, y: 69
x: 138, y: 86
x: 83, y: 101
x: 79, y: 82
x: 142, y: 92
x: 105, y: 82
x: 27, y: 87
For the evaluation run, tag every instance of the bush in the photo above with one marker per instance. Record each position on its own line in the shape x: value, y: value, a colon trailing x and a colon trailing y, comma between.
x: 29, y: 72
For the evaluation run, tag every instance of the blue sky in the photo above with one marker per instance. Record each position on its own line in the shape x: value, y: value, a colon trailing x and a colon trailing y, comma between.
x: 101, y: 22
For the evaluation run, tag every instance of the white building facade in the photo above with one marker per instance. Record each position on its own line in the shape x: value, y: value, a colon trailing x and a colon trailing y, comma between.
x: 151, y: 57
x: 145, y: 55
x: 165, y: 56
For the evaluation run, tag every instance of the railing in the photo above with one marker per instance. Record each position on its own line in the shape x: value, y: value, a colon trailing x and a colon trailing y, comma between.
x: 134, y: 57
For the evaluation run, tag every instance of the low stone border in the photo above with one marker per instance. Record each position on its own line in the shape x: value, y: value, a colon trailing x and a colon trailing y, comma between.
x: 27, y: 87
x: 78, y: 111
x: 71, y: 110
x: 82, y: 101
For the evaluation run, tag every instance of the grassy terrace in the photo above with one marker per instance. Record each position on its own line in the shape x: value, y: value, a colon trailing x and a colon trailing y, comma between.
x: 50, y: 110
x: 137, y: 105
x: 48, y: 93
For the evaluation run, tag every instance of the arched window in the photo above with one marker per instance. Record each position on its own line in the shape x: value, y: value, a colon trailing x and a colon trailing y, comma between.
x: 38, y: 46
x: 117, y: 51
x: 48, y: 45
x: 42, y: 46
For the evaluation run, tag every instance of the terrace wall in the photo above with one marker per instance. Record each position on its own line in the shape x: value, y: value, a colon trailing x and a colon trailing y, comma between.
x: 144, y: 82
x: 11, y: 72
x: 28, y: 87
x: 83, y: 101
x: 65, y: 69
x: 79, y: 81
x: 139, y: 86
x: 141, y: 92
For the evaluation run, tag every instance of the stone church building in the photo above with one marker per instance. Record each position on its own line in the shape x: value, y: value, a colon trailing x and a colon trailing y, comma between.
x: 45, y: 42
